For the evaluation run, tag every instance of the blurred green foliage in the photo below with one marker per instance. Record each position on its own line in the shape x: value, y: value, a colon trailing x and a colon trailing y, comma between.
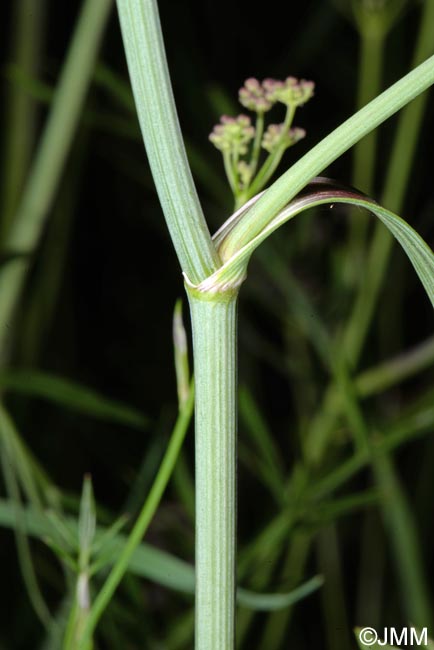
x: 87, y: 378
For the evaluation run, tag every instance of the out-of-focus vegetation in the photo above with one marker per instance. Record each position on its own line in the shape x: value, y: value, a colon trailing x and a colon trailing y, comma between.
x: 88, y: 281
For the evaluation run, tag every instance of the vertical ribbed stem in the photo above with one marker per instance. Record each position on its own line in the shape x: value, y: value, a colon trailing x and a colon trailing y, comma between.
x: 214, y: 320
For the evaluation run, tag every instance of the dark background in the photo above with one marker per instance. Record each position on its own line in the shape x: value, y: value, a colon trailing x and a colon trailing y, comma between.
x: 108, y: 324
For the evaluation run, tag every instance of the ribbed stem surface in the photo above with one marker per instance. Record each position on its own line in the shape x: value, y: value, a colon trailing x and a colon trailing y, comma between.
x: 214, y: 334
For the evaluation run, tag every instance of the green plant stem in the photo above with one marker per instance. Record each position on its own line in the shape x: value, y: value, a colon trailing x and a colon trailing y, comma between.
x: 29, y: 220
x: 257, y: 142
x: 272, y: 162
x: 371, y: 63
x: 395, y: 370
x: 230, y: 175
x: 324, y: 153
x: 404, y: 539
x: 155, y: 105
x: 370, y: 74
x: 214, y: 338
x: 398, y: 175
x: 25, y: 561
x: 397, y: 515
x: 148, y: 510
x: 332, y: 595
x: 19, y: 128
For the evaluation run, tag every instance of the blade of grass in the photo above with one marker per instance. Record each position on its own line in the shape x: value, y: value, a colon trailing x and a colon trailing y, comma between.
x: 38, y: 309
x: 22, y: 543
x: 32, y: 212
x: 397, y: 179
x: 260, y: 434
x: 333, y: 595
x: 400, y: 522
x: 71, y: 395
x: 20, y: 126
x: 157, y: 565
x: 148, y: 510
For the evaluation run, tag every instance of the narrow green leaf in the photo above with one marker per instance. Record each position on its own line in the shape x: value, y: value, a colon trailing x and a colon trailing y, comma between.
x: 322, y: 192
x: 271, y: 602
x: 71, y: 395
x: 86, y: 523
x: 28, y: 221
x: 158, y: 566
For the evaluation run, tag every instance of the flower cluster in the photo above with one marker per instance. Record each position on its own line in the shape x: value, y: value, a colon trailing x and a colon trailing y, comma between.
x: 253, y: 95
x: 291, y: 92
x: 277, y: 136
x: 261, y: 96
x: 233, y: 133
x: 241, y: 142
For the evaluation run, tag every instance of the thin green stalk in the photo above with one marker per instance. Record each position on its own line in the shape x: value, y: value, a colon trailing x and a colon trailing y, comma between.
x: 371, y: 571
x: 38, y: 310
x: 20, y: 126
x: 29, y: 220
x: 153, y: 95
x: 23, y: 548
x: 334, y: 607
x: 397, y: 514
x: 214, y: 337
x: 371, y: 63
x: 181, y: 356
x: 230, y: 174
x: 263, y: 554
x: 273, y: 637
x: 181, y: 478
x: 395, y: 370
x: 398, y: 175
x: 29, y: 473
x: 256, y: 149
x: 403, y: 536
x: 144, y: 519
x: 370, y: 75
x: 272, y: 162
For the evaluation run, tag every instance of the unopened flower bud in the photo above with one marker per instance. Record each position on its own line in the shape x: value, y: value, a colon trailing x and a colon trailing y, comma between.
x: 253, y: 96
x: 233, y: 134
x: 275, y: 137
x: 291, y: 92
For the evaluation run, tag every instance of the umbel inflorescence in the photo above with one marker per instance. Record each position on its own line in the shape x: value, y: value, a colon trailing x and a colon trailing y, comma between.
x: 242, y: 142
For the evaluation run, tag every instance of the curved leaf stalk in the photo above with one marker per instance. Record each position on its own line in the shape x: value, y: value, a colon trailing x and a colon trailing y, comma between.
x: 322, y: 192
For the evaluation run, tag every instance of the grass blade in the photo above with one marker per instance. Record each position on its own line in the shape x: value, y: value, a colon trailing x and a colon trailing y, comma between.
x: 71, y: 395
